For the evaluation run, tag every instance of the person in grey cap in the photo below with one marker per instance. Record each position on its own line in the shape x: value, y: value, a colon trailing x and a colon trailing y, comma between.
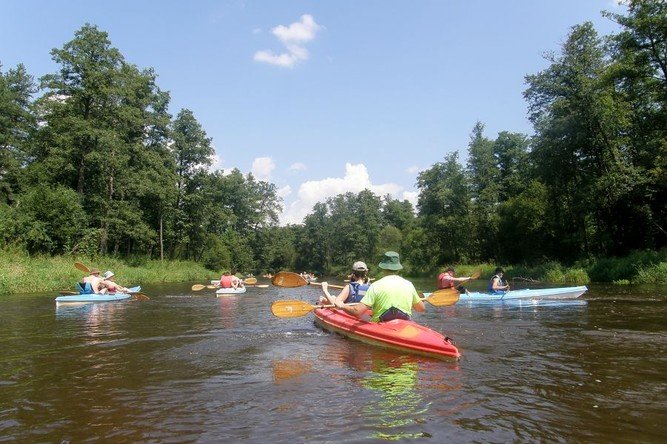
x: 355, y: 290
x: 391, y: 297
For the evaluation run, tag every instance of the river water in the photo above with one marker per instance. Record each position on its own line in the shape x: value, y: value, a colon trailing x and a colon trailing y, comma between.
x: 190, y: 367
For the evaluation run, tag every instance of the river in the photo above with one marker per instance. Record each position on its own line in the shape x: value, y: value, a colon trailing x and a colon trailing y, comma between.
x: 189, y: 367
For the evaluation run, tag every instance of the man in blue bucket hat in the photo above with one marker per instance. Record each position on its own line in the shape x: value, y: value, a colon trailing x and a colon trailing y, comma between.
x: 391, y: 297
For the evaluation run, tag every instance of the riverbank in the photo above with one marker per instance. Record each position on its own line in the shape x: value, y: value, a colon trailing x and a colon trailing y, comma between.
x: 22, y: 273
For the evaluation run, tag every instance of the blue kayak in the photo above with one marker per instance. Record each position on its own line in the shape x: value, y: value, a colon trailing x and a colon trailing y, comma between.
x: 109, y: 297
x: 541, y: 293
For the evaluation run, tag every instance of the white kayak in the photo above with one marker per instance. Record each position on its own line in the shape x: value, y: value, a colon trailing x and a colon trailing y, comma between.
x: 541, y: 293
x: 109, y: 297
x: 228, y: 291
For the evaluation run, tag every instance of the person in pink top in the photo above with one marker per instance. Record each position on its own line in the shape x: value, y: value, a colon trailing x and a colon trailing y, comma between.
x: 446, y: 279
x: 226, y: 280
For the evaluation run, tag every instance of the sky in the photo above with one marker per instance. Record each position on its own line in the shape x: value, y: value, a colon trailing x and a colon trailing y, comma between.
x: 323, y: 97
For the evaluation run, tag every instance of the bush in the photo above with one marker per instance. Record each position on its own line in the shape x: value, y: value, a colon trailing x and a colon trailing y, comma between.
x: 656, y: 274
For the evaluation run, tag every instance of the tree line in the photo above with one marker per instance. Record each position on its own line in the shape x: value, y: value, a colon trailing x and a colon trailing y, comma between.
x: 92, y: 162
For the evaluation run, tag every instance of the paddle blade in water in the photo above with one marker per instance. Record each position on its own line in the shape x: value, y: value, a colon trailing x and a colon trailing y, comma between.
x: 197, y: 287
x: 442, y: 298
x: 288, y: 279
x: 291, y: 308
x: 81, y: 267
x: 140, y: 297
x: 250, y: 281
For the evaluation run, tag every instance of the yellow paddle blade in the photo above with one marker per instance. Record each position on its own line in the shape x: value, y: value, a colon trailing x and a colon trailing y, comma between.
x: 82, y: 267
x: 288, y: 279
x: 212, y: 287
x: 290, y: 308
x: 250, y: 281
x: 197, y: 287
x: 140, y: 297
x: 442, y: 298
x: 476, y: 274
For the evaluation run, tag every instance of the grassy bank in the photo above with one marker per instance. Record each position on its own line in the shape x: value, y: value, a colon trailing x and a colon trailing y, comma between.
x: 642, y: 267
x: 22, y: 273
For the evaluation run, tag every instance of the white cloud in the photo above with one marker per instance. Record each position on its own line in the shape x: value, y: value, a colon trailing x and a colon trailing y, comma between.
x: 298, y: 166
x: 355, y: 180
x: 262, y: 168
x: 284, y: 191
x: 216, y: 162
x: 293, y: 37
x: 412, y: 197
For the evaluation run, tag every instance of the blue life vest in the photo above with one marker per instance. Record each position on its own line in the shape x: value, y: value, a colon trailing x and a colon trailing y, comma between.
x: 490, y: 286
x: 357, y: 292
x: 84, y: 288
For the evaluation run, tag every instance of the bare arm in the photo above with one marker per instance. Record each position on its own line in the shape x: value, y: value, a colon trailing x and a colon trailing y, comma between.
x: 419, y: 306
x: 355, y: 310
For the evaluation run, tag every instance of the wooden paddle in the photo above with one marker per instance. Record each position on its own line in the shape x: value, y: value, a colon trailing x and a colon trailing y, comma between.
x: 250, y: 281
x: 443, y: 298
x: 292, y: 308
x: 140, y: 297
x: 82, y: 267
x: 289, y: 279
x: 476, y: 274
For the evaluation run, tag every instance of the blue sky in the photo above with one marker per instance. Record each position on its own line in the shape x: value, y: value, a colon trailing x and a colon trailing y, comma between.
x: 323, y: 97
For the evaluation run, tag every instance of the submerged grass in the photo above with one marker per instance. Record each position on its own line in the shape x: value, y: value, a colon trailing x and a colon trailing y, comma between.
x: 22, y: 273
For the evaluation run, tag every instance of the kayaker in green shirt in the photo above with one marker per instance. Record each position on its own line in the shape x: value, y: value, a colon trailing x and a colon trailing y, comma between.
x: 391, y: 297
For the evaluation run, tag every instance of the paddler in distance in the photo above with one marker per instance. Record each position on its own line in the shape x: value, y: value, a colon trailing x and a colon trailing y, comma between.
x: 92, y: 284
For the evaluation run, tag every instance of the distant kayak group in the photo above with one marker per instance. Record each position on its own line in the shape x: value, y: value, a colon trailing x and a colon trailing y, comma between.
x: 380, y: 313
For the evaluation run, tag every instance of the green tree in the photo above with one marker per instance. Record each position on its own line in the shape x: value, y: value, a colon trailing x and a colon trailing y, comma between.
x: 639, y: 72
x: 99, y: 114
x: 580, y: 149
x: 17, y: 125
x: 484, y: 176
x: 192, y: 152
x: 45, y: 219
x: 445, y: 234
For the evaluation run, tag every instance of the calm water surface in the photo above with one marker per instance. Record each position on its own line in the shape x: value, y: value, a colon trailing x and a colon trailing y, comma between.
x: 190, y: 367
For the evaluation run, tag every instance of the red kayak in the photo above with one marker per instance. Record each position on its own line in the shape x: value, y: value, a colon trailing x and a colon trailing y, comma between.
x: 406, y: 336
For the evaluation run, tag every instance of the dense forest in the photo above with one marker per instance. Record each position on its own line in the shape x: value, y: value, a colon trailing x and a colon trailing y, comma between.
x: 92, y: 162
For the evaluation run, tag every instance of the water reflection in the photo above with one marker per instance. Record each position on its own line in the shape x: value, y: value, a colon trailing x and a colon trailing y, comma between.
x: 92, y: 320
x: 228, y: 307
x: 398, y: 404
x: 285, y: 370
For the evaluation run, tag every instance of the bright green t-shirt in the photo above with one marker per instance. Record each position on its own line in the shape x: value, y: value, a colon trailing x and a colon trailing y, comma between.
x: 390, y: 291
